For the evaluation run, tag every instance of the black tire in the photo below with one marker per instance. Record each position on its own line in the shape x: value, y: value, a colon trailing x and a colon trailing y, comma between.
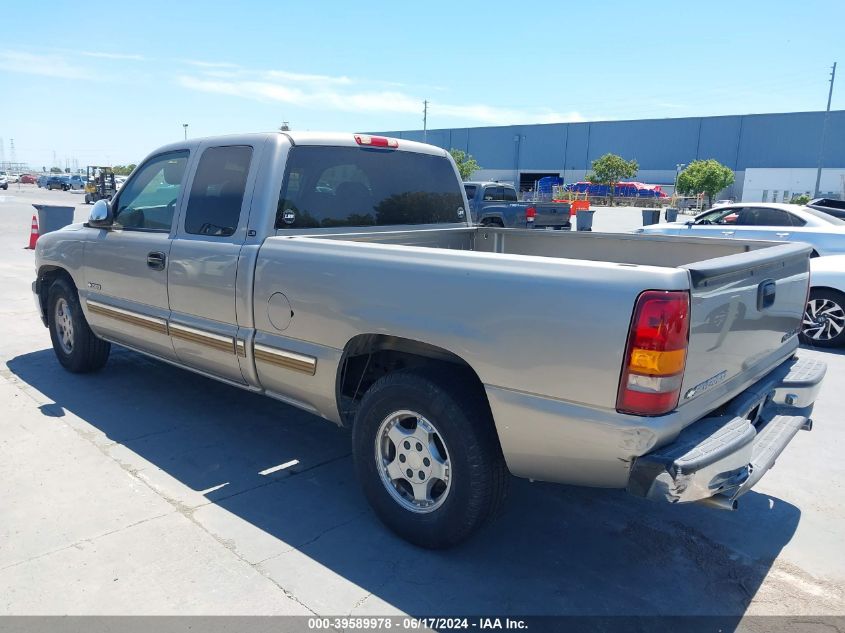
x: 830, y: 314
x: 87, y: 352
x: 457, y: 407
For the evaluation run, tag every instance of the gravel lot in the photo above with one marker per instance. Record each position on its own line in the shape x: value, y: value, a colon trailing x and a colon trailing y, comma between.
x: 139, y: 490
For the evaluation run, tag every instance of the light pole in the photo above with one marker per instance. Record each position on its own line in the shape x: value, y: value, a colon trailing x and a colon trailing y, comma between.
x: 678, y: 169
x: 185, y: 127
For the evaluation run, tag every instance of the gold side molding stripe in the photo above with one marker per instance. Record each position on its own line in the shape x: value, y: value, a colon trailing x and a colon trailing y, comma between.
x: 274, y: 356
x: 223, y: 343
x: 127, y: 316
x: 286, y: 359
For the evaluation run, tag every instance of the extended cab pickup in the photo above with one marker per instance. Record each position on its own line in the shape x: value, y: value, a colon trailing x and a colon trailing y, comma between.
x: 495, y: 204
x: 340, y: 274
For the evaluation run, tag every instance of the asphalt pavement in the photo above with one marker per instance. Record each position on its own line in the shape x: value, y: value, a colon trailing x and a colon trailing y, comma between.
x: 145, y: 489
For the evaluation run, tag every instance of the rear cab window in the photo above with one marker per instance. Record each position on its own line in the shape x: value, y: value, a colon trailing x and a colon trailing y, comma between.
x: 217, y: 193
x: 327, y: 187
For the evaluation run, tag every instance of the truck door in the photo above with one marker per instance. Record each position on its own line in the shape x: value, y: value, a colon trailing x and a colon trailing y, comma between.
x: 204, y: 258
x: 126, y: 266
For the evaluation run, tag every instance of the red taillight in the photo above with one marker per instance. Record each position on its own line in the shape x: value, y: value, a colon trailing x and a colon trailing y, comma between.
x: 656, y: 354
x: 376, y: 141
x: 530, y: 214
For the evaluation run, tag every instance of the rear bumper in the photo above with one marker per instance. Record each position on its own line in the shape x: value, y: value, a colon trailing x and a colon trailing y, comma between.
x: 720, y: 457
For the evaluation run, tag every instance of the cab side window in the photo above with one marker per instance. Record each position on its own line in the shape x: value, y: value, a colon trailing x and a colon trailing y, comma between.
x: 763, y: 216
x: 147, y: 202
x: 217, y: 193
x: 495, y: 194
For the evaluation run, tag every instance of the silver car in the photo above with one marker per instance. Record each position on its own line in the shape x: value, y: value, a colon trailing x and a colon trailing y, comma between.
x: 824, y: 319
x: 763, y: 221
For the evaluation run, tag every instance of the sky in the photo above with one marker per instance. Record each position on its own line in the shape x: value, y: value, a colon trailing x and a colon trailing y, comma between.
x: 110, y: 84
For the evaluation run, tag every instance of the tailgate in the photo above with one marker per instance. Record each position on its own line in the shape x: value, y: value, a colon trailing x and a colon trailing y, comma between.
x: 552, y: 213
x: 745, y: 315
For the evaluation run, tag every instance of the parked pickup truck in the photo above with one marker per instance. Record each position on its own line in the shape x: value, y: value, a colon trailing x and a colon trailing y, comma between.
x: 494, y: 204
x: 340, y: 274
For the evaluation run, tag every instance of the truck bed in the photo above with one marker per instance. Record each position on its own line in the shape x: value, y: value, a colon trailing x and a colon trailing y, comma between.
x: 578, y: 289
x: 619, y: 248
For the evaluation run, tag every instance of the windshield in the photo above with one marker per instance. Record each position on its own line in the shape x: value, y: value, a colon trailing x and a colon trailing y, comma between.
x: 821, y: 215
x: 355, y: 186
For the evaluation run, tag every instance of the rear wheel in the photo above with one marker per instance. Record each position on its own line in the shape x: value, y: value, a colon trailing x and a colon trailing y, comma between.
x: 75, y: 345
x: 824, y: 319
x: 427, y: 456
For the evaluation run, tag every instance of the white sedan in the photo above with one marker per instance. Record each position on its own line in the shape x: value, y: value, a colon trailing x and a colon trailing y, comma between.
x: 824, y: 318
x: 763, y: 221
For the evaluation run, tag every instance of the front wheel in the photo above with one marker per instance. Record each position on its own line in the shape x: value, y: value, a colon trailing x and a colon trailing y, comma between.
x: 427, y: 456
x: 824, y: 319
x: 75, y: 345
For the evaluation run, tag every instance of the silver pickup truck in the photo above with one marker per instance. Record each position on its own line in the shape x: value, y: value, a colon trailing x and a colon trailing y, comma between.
x: 339, y: 274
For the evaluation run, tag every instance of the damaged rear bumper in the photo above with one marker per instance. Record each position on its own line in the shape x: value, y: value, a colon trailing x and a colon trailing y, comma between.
x: 719, y: 458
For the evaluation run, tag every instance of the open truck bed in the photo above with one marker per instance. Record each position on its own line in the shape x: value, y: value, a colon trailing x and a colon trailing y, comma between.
x: 543, y: 318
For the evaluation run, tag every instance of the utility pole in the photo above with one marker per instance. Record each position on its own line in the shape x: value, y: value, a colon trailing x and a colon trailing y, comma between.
x: 425, y: 121
x: 824, y: 132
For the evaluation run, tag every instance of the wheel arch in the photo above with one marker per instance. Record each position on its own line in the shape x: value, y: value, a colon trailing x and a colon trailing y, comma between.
x: 47, y: 275
x: 368, y: 357
x: 491, y: 218
x: 838, y: 291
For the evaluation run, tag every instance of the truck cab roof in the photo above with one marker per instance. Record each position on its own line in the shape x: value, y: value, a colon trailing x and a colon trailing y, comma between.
x: 337, y: 139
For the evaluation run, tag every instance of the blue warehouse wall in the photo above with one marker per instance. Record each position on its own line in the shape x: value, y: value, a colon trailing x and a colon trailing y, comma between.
x: 740, y: 142
x: 719, y: 138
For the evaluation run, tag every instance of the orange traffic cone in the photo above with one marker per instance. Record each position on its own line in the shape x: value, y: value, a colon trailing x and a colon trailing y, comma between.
x: 33, y: 235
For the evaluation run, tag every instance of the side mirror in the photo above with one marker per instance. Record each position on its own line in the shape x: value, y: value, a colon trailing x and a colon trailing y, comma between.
x: 101, y: 215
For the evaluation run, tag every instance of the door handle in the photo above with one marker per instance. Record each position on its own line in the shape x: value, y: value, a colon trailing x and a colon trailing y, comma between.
x: 782, y: 234
x: 728, y: 233
x: 156, y: 260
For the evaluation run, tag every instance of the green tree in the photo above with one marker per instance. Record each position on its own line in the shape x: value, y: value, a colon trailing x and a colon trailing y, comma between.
x: 705, y: 176
x: 802, y: 198
x: 55, y: 170
x: 610, y: 169
x: 124, y: 170
x: 466, y: 163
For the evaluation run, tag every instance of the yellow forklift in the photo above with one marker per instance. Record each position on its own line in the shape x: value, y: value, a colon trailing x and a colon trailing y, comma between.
x: 99, y: 183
